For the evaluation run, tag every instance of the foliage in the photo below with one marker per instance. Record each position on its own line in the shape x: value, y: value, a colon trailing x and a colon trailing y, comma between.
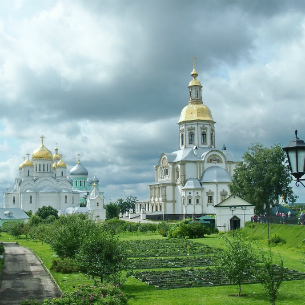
x: 189, y: 229
x: 103, y: 256
x: 1, y: 249
x: 29, y: 213
x: 69, y: 232
x: 237, y: 261
x: 44, y: 212
x: 112, y: 210
x: 13, y: 227
x: 262, y: 177
x: 64, y: 265
x: 164, y: 228
x: 41, y: 232
x: 126, y: 204
x: 88, y: 294
x: 271, y: 276
x: 34, y: 220
x: 275, y: 239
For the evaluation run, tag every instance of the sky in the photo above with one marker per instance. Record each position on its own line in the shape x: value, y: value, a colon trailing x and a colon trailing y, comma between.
x: 107, y: 79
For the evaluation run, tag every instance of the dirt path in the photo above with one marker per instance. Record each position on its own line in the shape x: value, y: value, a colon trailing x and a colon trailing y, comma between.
x: 24, y: 278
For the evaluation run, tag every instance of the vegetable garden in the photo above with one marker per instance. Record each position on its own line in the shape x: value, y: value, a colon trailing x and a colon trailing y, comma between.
x: 179, y: 257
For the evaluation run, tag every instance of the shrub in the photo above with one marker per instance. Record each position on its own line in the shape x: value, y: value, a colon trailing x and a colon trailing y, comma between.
x: 88, y: 294
x: 65, y: 265
x: 164, y: 228
x: 277, y: 240
x: 1, y: 249
x: 216, y: 231
x: 188, y: 229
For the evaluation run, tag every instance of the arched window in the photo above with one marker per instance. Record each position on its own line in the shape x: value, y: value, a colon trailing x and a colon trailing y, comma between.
x: 191, y: 138
x: 66, y: 199
x: 47, y: 167
x: 36, y: 167
x: 97, y: 204
x: 28, y: 172
x: 39, y: 167
x: 80, y: 183
x: 31, y: 199
x: 197, y: 93
x: 72, y: 200
x: 13, y: 199
x: 203, y: 137
x: 181, y: 140
x: 212, y: 139
x: 62, y: 174
x: 43, y: 167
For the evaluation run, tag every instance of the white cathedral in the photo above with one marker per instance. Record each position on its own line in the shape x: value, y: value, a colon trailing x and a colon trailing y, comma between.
x: 43, y: 181
x: 194, y: 179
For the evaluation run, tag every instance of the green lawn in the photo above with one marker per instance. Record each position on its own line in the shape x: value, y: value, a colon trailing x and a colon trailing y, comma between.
x: 292, y: 292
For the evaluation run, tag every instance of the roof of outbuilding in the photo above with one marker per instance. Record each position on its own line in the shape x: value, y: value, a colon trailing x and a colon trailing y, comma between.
x: 16, y: 213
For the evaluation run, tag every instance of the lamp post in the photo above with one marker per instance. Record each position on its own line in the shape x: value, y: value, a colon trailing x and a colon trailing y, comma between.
x: 295, y: 151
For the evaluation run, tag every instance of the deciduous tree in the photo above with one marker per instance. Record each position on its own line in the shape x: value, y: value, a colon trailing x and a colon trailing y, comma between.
x: 263, y: 177
x: 237, y: 261
x: 103, y: 256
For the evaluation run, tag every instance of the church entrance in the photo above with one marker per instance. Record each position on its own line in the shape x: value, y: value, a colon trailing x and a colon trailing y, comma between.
x: 234, y: 223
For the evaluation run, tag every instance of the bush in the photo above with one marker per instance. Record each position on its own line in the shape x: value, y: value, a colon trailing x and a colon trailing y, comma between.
x: 1, y: 249
x: 65, y: 265
x: 88, y: 294
x: 216, y: 231
x: 277, y: 240
x: 188, y: 229
x: 164, y: 228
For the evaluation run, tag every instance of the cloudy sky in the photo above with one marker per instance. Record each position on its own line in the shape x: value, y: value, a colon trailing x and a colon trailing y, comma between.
x: 108, y: 80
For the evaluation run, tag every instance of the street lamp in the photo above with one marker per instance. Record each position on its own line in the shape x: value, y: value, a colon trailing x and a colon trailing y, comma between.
x: 295, y: 151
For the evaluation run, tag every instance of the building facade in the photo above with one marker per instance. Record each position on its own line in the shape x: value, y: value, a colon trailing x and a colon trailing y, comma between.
x: 195, y: 178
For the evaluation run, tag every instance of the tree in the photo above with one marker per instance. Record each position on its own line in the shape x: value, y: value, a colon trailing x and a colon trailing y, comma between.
x: 102, y: 256
x: 126, y: 204
x: 270, y: 276
x: 263, y: 177
x: 44, y: 212
x: 112, y: 210
x: 237, y: 261
x: 67, y: 234
x: 13, y: 227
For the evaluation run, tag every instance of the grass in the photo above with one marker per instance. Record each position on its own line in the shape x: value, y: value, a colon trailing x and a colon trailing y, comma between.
x: 139, y: 293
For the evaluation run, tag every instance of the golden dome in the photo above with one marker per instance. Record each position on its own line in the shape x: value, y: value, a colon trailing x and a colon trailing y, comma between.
x: 54, y: 165
x: 56, y: 156
x: 42, y: 152
x: 61, y: 163
x: 20, y: 166
x: 194, y: 82
x: 27, y: 162
x: 195, y: 112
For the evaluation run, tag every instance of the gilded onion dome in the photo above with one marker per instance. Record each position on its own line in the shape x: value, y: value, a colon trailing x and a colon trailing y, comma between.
x: 54, y: 165
x: 56, y: 156
x: 27, y: 162
x: 42, y: 152
x: 61, y: 163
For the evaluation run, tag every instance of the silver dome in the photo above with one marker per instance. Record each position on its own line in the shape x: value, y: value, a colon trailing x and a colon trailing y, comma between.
x: 215, y: 174
x: 78, y: 170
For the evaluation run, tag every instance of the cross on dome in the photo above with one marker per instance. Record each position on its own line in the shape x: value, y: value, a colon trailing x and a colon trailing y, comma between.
x: 42, y: 137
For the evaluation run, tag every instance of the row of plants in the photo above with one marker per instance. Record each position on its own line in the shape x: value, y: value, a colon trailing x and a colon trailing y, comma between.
x: 183, y: 278
x: 173, y: 262
x: 166, y: 247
